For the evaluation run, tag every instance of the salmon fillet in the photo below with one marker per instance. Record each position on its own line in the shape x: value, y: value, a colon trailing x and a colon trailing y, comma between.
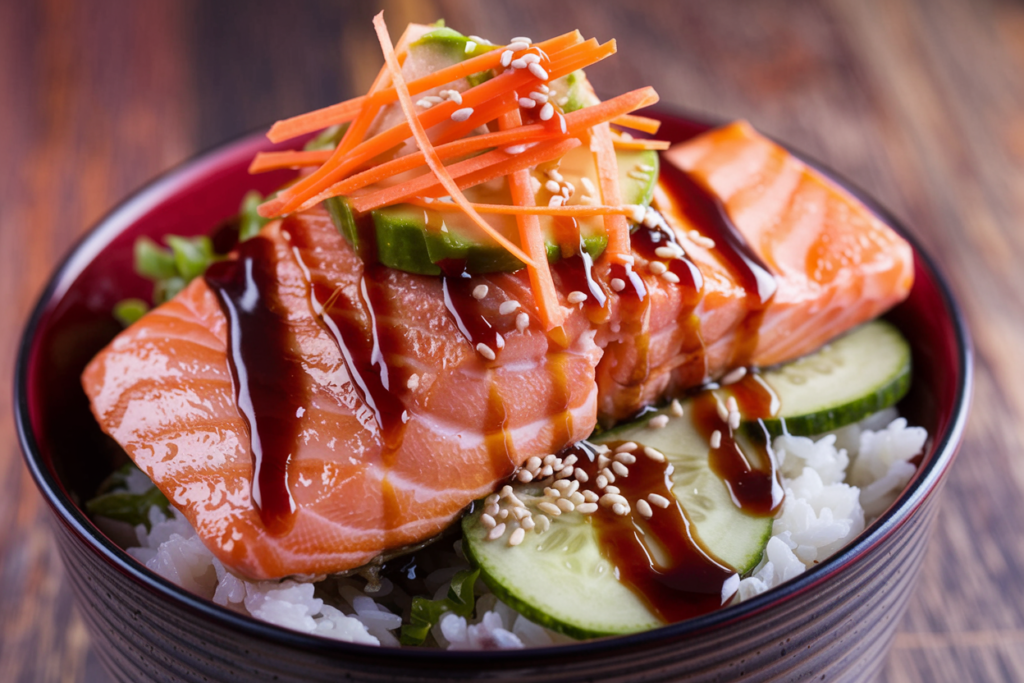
x: 163, y: 388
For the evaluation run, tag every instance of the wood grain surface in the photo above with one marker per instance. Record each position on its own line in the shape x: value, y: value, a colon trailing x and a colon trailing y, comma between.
x: 921, y: 102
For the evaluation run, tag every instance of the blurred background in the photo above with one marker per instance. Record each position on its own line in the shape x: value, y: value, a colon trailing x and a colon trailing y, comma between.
x: 921, y: 102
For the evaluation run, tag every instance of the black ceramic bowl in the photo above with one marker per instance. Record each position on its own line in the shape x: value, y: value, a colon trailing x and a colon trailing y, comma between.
x: 835, y: 622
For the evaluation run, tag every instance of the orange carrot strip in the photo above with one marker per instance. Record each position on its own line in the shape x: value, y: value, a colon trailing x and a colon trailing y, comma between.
x: 616, y: 226
x: 274, y: 161
x: 638, y: 123
x: 470, y: 172
x: 307, y: 192
x: 481, y: 115
x: 346, y: 111
x: 638, y: 144
x: 551, y: 313
x: 573, y: 211
x: 420, y: 134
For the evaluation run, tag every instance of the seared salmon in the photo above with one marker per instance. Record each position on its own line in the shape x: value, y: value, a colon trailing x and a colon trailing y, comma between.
x: 464, y: 419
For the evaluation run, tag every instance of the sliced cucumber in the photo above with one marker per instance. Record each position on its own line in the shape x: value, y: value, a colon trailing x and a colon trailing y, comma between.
x: 561, y: 579
x: 865, y: 371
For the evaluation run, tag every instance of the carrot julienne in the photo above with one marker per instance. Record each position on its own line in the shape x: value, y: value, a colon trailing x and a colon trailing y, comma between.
x: 608, y: 176
x: 643, y: 123
x: 636, y: 144
x: 570, y: 210
x: 433, y: 161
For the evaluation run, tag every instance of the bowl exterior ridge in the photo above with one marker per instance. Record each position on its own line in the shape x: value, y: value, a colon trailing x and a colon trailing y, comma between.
x: 835, y: 622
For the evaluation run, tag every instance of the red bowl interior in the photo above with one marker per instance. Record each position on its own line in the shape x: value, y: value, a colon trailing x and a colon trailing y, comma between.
x: 69, y: 455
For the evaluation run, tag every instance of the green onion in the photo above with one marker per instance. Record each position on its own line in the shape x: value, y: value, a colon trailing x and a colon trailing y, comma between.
x: 250, y: 222
x: 152, y: 261
x: 426, y: 612
x: 192, y: 255
x: 128, y: 311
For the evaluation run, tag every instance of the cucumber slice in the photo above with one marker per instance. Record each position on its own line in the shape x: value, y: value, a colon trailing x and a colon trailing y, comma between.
x: 560, y: 578
x: 865, y: 371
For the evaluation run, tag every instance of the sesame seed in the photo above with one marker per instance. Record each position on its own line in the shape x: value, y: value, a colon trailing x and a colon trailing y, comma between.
x: 525, y: 476
x: 610, y: 499
x: 568, y: 189
x: 723, y: 412
x: 492, y: 499
x: 552, y: 186
x: 601, y: 449
x: 625, y: 458
x: 535, y: 185
x: 657, y: 267
x: 539, y: 96
x: 581, y: 475
x: 485, y: 351
x: 620, y: 469
x: 576, y: 297
x: 620, y: 510
x: 637, y: 175
x: 515, y: 149
x: 734, y: 420
x: 414, y: 381
x: 481, y: 41
x: 518, y: 63
x: 565, y: 505
x: 564, y: 473
x: 587, y: 508
x: 576, y: 498
x: 517, y: 537
x: 425, y: 103
x: 455, y: 96
x: 470, y: 46
x: 531, y: 58
x: 676, y: 408
x: 546, y: 112
x: 603, y: 461
x: 658, y: 422
x: 561, y: 123
x: 549, y: 459
x: 519, y: 513
x: 499, y: 341
x: 496, y: 533
x: 492, y: 510
x: 637, y: 212
x: 716, y: 439
x: 503, y: 513
x: 522, y: 321
x: 546, y: 471
x: 534, y: 462
x: 488, y: 521
x: 527, y: 103
x: 588, y: 185
x: 538, y: 71
x: 561, y: 485
x: 522, y: 39
x: 549, y: 508
x: 608, y: 475
x: 644, y: 508
x: 462, y: 114
x: 734, y: 376
x: 518, y: 45
x: 612, y: 489
x: 479, y: 292
x: 556, y: 201
x: 507, y: 307
x: 528, y: 523
x: 555, y: 175
x: 570, y: 460
x: 590, y: 497
x: 652, y: 219
x: 618, y: 284
x: 626, y: 447
x: 731, y: 405
x: 667, y: 252
x: 551, y: 492
x: 602, y: 481
x: 670, y: 277
x: 562, y: 101
x: 654, y: 454
x: 659, y: 500
x: 506, y: 57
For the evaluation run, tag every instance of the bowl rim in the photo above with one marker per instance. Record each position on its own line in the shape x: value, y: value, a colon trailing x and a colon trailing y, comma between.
x: 142, y: 200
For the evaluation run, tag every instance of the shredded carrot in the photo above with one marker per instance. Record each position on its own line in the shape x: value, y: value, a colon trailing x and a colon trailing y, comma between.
x: 572, y: 211
x: 470, y: 172
x: 427, y: 148
x: 616, y: 226
x: 638, y: 123
x: 346, y: 111
x: 274, y: 161
x: 551, y: 312
x: 637, y: 144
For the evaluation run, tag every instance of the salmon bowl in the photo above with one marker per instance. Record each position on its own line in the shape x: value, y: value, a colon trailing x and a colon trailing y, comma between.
x: 832, y: 622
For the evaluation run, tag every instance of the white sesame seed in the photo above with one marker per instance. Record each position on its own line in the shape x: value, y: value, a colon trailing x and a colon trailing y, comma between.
x: 518, y: 63
x: 620, y: 510
x: 462, y: 114
x: 527, y: 103
x: 659, y: 500
x: 570, y: 460
x: 618, y: 284
x: 503, y: 513
x: 535, y: 185
x: 552, y: 186
x: 564, y: 473
x: 517, y: 537
x: 555, y: 175
x: 480, y: 291
x: 547, y: 111
x: 562, y: 101
x: 590, y: 496
x: 499, y: 341
x: 518, y: 45
x: 534, y: 462
x: 601, y: 449
x: 556, y: 200
x: 734, y: 420
x: 644, y: 508
x: 492, y: 499
x: 670, y: 277
x: 519, y: 513
x: 485, y: 351
x: 608, y: 475
x: 570, y: 187
x: 581, y: 475
x: 625, y: 458
x: 425, y: 103
x: 613, y: 498
x: 637, y: 175
x: 470, y: 46
x: 506, y: 57
x: 522, y: 39
x: 539, y: 97
x: 734, y: 376
x: 576, y: 498
x: 561, y: 123
x: 481, y: 41
x: 658, y: 422
x: 492, y: 509
x: 723, y: 412
x: 731, y: 405
x: 496, y: 533
x: 603, y: 461
x: 602, y: 481
x: 531, y: 58
x: 576, y: 297
x: 549, y: 459
x: 544, y: 89
x: 522, y: 321
x: 565, y: 505
x: 414, y: 381
x: 587, y: 508
x: 507, y: 307
x: 626, y: 447
x: 654, y: 454
x: 716, y: 439
x: 620, y: 469
x: 551, y: 492
x: 657, y: 267
x: 538, y: 71
x: 667, y: 252
x: 647, y: 168
x: 546, y: 471
x: 651, y: 219
x: 543, y: 523
x: 528, y: 523
x: 515, y: 149
x: 488, y: 521
x: 525, y: 476
x: 549, y: 508
x: 561, y: 485
x: 612, y: 489
x: 588, y: 185
x: 676, y: 408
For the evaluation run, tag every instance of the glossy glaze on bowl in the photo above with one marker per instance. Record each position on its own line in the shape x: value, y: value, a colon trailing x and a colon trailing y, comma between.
x: 835, y: 622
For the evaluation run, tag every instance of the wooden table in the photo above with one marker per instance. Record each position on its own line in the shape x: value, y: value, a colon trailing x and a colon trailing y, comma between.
x: 919, y: 101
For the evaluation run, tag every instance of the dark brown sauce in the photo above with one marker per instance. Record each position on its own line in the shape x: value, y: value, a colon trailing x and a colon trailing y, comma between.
x: 266, y: 371
x: 467, y: 313
x: 659, y: 557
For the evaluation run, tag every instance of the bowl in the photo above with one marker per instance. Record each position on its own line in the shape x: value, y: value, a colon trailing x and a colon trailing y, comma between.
x: 835, y: 622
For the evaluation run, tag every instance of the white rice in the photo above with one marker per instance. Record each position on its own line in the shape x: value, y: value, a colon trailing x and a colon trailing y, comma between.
x: 835, y: 484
